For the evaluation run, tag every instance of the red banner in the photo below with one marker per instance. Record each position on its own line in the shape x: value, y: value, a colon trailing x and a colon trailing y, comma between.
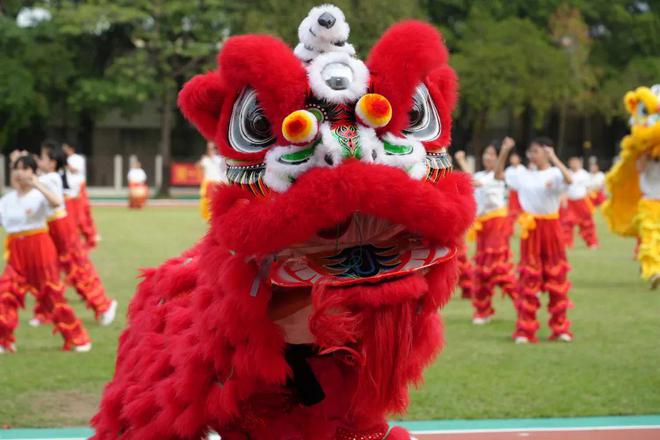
x: 185, y: 174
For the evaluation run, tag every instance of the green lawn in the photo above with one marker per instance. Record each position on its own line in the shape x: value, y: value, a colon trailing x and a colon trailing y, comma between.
x: 612, y: 368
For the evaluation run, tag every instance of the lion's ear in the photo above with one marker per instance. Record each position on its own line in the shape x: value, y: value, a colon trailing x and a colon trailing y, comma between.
x: 630, y: 101
x: 401, y: 60
x: 442, y: 84
x: 201, y: 101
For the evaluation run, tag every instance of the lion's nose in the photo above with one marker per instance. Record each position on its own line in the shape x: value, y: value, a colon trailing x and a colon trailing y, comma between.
x: 327, y: 20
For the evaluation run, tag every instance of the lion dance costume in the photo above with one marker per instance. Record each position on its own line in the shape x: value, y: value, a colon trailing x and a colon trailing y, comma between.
x: 633, y: 208
x: 311, y: 304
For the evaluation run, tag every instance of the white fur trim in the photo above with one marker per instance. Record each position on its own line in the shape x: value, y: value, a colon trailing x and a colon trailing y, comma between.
x: 329, y: 146
x: 278, y: 175
x: 370, y: 143
x: 317, y: 37
x: 305, y: 55
x: 414, y: 163
x: 355, y: 90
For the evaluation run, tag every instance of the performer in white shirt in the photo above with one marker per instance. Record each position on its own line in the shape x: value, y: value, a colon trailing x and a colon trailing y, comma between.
x: 492, y: 261
x: 74, y: 259
x: 577, y: 209
x: 32, y: 263
x: 543, y: 265
x: 596, y: 183
x: 138, y: 191
x: 513, y: 203
x: 214, y: 171
x: 77, y: 200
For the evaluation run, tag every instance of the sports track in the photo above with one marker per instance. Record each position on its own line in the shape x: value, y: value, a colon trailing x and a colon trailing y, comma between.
x: 583, y: 428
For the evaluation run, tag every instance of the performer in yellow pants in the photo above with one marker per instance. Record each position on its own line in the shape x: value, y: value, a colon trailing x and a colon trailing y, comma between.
x: 214, y: 170
x: 633, y: 208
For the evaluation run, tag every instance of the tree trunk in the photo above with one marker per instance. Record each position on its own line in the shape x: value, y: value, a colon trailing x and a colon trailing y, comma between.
x: 478, y: 134
x: 563, y: 113
x: 166, y: 139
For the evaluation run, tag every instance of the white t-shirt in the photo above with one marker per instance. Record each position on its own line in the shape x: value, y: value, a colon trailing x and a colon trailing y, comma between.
x: 578, y: 189
x: 136, y: 175
x: 490, y: 195
x: 596, y: 181
x: 649, y: 180
x: 23, y: 213
x: 539, y: 191
x: 215, y: 168
x: 76, y: 178
x: 53, y: 182
x: 512, y: 169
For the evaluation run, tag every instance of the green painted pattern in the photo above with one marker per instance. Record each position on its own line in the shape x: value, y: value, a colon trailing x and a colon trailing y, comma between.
x: 300, y: 155
x: 397, y: 149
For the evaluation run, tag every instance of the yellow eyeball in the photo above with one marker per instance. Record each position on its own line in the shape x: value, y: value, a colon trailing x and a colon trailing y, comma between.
x: 300, y: 127
x: 373, y: 110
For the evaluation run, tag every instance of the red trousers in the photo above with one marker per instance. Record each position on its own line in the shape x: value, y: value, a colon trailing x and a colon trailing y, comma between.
x: 579, y: 213
x: 138, y: 193
x: 543, y: 267
x: 466, y: 273
x: 80, y: 211
x: 32, y: 267
x: 514, y: 210
x: 79, y: 270
x: 492, y: 265
x: 597, y: 197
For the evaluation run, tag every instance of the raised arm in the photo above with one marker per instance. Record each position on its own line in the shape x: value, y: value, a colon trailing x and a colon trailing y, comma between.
x: 507, y: 145
x: 552, y: 156
x: 53, y: 199
x: 461, y: 161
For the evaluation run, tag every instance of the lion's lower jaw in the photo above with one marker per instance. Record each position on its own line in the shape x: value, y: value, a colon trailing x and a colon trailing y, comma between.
x: 371, y: 345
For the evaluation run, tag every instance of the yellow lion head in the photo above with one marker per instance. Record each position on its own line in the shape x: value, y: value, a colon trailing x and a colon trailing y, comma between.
x: 643, y: 104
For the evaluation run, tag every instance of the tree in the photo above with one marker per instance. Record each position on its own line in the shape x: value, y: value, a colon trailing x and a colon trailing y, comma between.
x: 506, y: 64
x: 570, y: 32
x: 368, y: 19
x: 166, y: 42
x: 34, y: 73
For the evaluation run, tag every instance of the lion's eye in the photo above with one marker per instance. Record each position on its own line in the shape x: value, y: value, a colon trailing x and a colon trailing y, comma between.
x: 249, y: 129
x: 423, y: 120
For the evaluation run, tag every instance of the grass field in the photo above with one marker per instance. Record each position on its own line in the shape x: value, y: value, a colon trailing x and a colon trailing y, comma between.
x: 612, y: 367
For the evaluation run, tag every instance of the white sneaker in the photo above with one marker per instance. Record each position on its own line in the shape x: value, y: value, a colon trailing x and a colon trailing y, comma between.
x: 521, y: 340
x: 565, y: 337
x: 11, y: 349
x: 480, y: 321
x: 83, y: 348
x: 109, y: 315
x: 35, y: 322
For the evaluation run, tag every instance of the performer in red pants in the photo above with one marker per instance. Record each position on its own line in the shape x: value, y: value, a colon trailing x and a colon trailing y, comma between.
x: 513, y: 205
x: 74, y: 259
x: 578, y: 209
x: 596, y: 183
x: 492, y: 265
x: 466, y: 272
x: 32, y: 264
x: 543, y: 265
x: 138, y: 190
x: 77, y: 200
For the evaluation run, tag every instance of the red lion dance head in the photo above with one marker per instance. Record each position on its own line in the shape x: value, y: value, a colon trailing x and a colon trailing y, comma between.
x: 311, y: 304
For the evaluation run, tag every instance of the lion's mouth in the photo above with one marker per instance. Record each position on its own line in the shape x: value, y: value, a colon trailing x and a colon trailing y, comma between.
x: 361, y: 249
